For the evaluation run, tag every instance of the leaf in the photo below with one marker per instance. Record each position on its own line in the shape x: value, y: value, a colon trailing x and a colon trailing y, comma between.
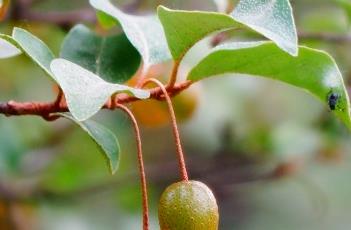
x: 314, y: 71
x: 185, y: 28
x: 272, y: 18
x: 8, y: 47
x: 111, y: 58
x: 34, y: 48
x: 85, y: 92
x: 144, y: 32
x: 103, y: 137
x: 24, y: 42
x: 105, y: 20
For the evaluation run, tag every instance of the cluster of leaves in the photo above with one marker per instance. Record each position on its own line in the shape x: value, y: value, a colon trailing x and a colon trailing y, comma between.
x: 92, y: 68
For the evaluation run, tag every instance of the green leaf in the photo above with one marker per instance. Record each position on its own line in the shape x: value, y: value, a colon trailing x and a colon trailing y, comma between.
x: 103, y: 137
x: 274, y: 19
x: 8, y: 47
x: 105, y: 20
x: 185, y: 28
x: 34, y: 48
x: 86, y: 92
x: 144, y: 32
x: 314, y: 71
x: 112, y: 58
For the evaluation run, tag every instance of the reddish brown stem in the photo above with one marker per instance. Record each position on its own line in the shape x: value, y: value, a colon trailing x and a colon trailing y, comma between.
x: 44, y: 109
x: 174, y: 74
x: 182, y: 166
x: 59, y: 97
x: 141, y: 166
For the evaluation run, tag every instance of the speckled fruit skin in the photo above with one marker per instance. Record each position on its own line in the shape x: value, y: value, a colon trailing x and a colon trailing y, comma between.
x: 188, y: 206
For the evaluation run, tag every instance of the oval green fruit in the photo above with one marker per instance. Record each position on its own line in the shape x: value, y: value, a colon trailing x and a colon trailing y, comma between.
x: 188, y: 205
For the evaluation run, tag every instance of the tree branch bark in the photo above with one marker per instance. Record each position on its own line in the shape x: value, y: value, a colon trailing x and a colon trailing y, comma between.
x: 46, y: 109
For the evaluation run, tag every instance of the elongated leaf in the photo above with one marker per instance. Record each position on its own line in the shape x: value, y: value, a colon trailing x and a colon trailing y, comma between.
x: 144, y: 32
x: 272, y: 18
x: 34, y: 48
x: 103, y: 137
x: 8, y: 47
x: 314, y: 71
x: 112, y: 58
x: 184, y: 28
x: 85, y: 92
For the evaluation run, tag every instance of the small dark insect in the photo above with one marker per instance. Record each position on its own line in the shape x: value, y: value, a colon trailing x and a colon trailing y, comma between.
x: 333, y: 99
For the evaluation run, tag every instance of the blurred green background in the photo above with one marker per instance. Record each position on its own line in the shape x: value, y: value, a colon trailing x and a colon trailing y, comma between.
x: 275, y: 157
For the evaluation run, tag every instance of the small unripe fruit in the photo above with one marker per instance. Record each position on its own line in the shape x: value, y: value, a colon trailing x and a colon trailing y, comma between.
x: 188, y: 205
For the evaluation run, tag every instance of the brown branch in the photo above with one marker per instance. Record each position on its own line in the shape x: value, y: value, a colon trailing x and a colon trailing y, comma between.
x: 45, y: 110
x: 22, y: 11
x: 61, y: 18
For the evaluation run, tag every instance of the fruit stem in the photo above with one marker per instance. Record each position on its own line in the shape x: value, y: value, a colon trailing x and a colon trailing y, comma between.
x: 182, y: 166
x: 141, y: 166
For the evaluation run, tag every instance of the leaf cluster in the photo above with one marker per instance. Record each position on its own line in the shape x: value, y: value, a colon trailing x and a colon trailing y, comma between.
x: 92, y: 68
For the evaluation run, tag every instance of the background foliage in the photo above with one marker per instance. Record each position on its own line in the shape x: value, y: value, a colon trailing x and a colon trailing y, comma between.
x: 274, y: 156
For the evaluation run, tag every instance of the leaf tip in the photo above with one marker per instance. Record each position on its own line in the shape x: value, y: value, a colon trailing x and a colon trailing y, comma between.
x: 113, y: 168
x: 80, y: 26
x: 104, y: 138
x: 17, y: 30
x: 93, y: 3
x: 9, y: 47
x: 293, y: 50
